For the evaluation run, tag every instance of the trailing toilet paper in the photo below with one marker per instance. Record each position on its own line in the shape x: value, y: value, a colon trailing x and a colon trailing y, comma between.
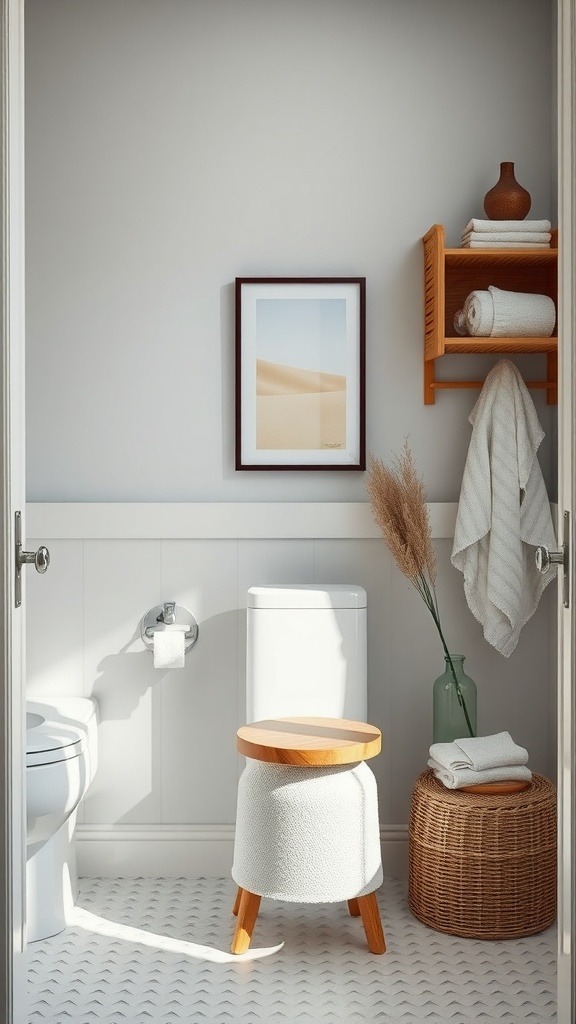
x: 169, y: 648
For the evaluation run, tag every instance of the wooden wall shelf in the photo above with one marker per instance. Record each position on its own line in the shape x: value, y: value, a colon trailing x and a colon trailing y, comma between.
x: 449, y: 277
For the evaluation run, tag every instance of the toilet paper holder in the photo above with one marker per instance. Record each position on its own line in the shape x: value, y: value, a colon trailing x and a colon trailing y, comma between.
x: 168, y: 616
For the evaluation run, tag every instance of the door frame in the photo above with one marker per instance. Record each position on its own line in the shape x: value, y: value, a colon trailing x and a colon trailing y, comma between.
x: 12, y: 983
x: 12, y: 763
x: 566, y: 703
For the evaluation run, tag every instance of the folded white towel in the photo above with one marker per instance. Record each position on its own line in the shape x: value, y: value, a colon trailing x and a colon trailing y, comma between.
x: 479, y: 753
x: 456, y: 778
x: 497, y: 313
x: 503, y: 512
x: 479, y: 244
x: 477, y: 224
x: 506, y: 236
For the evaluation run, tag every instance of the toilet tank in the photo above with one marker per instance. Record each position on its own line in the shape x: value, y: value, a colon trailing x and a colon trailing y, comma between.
x: 306, y: 652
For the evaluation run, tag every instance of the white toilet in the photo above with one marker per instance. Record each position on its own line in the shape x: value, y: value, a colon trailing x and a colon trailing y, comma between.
x: 61, y: 760
x: 306, y: 652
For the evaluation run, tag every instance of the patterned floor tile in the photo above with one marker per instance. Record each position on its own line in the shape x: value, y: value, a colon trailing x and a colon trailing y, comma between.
x: 157, y: 950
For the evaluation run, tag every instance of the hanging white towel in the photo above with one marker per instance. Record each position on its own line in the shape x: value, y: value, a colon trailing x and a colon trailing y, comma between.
x: 503, y: 512
x: 477, y: 224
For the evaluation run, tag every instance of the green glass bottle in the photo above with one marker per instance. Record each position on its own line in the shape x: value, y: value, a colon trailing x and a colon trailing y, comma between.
x: 448, y: 718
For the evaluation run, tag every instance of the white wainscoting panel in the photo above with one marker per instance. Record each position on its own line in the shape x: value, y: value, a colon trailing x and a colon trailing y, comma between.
x: 164, y: 796
x: 199, y: 707
x: 55, y: 613
x: 122, y: 581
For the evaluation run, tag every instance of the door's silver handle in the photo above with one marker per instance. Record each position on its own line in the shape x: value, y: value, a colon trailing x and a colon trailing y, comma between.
x: 40, y: 558
x: 545, y: 558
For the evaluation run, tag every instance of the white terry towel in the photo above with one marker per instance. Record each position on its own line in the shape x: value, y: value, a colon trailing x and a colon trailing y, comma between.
x: 455, y: 778
x: 497, y: 313
x: 477, y: 224
x: 522, y: 314
x: 481, y: 243
x: 478, y: 313
x: 503, y: 512
x: 480, y: 753
x: 506, y: 236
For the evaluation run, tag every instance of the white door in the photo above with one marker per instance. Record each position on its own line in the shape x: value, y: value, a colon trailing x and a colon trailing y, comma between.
x: 567, y: 503
x: 12, y: 852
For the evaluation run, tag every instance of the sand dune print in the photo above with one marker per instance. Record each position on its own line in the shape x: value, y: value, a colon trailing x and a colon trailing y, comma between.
x: 299, y: 408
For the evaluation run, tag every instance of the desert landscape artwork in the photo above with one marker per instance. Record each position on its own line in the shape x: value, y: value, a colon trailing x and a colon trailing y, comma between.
x: 300, y: 373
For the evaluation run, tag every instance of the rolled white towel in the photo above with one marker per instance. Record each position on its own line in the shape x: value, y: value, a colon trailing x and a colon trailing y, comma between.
x: 506, y: 236
x: 479, y: 753
x: 460, y: 322
x: 478, y: 312
x: 521, y: 314
x: 496, y: 313
x: 477, y: 224
x: 459, y: 777
x: 477, y: 243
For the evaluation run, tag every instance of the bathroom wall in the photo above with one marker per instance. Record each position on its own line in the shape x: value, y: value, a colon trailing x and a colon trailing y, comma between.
x: 171, y: 146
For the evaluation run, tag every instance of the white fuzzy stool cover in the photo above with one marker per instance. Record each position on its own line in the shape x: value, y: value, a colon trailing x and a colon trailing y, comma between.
x: 307, y: 835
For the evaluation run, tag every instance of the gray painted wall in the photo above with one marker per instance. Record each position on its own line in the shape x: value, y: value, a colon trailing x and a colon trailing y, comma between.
x: 175, y: 144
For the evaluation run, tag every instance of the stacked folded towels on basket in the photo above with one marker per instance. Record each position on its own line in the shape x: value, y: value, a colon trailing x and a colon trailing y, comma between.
x: 474, y: 760
x: 506, y: 234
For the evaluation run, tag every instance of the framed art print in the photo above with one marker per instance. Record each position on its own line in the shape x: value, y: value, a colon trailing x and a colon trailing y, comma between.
x: 300, y: 372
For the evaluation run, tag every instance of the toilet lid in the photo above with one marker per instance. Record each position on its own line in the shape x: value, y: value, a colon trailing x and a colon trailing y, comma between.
x: 51, y: 742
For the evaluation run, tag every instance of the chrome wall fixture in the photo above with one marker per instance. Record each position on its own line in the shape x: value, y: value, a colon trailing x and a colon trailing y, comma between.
x: 168, y: 616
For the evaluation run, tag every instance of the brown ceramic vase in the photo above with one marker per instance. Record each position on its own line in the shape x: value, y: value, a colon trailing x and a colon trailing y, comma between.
x: 507, y: 200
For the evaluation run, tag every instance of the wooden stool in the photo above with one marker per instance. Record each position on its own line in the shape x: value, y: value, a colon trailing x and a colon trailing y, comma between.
x: 307, y: 825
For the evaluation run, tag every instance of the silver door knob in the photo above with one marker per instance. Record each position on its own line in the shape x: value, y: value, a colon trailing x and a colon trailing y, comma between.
x: 40, y: 558
x: 545, y: 558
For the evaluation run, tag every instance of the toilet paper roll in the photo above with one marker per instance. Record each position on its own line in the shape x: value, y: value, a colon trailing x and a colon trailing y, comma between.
x: 169, y: 648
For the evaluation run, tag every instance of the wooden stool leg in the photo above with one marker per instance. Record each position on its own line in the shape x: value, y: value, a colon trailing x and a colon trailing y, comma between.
x: 354, y: 908
x: 247, y: 914
x: 236, y: 906
x: 372, y: 923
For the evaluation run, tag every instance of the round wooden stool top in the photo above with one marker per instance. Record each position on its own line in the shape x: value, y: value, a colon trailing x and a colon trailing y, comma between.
x: 309, y: 741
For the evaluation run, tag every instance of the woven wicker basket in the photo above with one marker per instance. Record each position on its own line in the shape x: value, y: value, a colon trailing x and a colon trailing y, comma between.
x: 483, y: 866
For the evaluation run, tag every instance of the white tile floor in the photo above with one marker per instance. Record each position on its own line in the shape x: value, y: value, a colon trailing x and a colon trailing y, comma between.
x: 152, y: 949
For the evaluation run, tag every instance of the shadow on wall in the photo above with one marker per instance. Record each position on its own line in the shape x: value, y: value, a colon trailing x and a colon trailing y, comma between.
x: 161, y: 728
x: 129, y: 673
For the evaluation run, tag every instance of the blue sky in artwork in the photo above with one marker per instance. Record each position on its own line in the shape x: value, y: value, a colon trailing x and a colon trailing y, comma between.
x: 307, y: 333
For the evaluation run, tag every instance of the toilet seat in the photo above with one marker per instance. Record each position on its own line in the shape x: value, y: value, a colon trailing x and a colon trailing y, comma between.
x: 57, y: 737
x: 50, y: 743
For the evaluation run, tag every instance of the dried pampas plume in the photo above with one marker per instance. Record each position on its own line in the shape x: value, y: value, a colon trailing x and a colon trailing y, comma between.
x: 399, y: 508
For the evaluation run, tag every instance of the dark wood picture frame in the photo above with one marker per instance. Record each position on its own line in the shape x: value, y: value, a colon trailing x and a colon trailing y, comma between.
x: 300, y: 373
